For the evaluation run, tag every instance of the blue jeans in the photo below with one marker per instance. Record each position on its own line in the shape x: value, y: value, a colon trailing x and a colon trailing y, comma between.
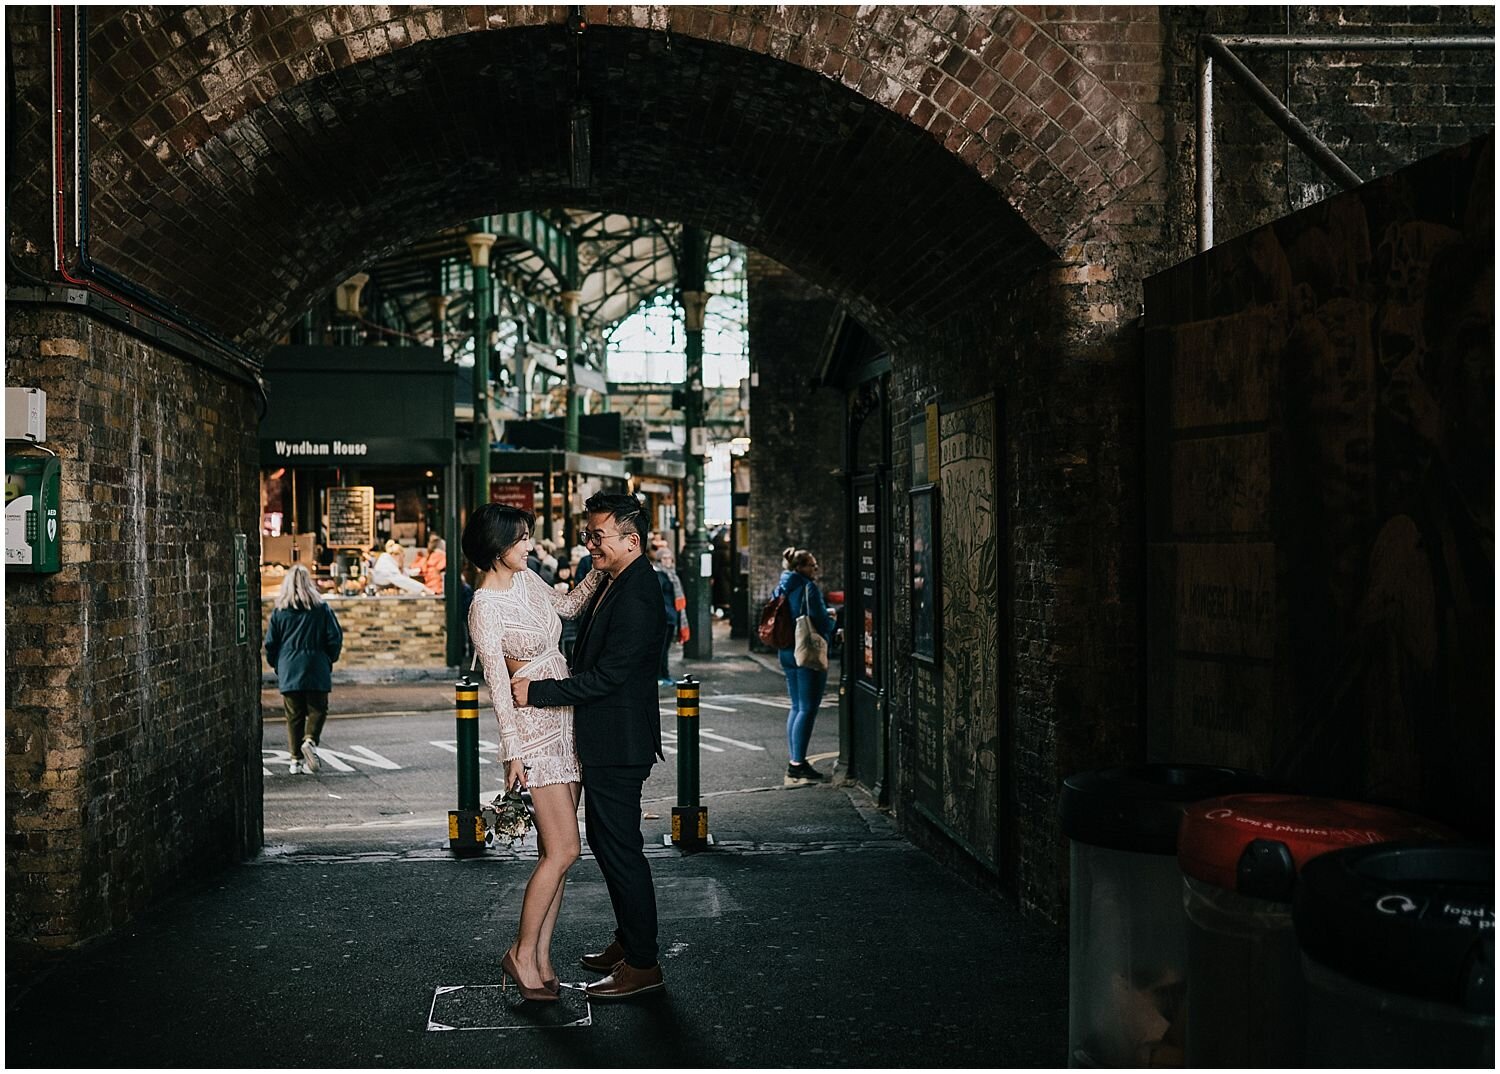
x: 805, y: 687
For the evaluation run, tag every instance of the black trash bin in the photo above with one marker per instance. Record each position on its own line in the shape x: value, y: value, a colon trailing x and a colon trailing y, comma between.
x: 1126, y: 932
x: 1398, y: 949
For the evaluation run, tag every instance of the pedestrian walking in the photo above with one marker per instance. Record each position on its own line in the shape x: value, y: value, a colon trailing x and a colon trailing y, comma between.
x: 804, y: 685
x: 303, y: 641
x: 515, y: 624
x: 674, y: 603
x: 619, y: 735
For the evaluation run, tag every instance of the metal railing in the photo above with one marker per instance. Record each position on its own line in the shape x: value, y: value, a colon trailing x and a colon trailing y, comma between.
x: 1213, y: 47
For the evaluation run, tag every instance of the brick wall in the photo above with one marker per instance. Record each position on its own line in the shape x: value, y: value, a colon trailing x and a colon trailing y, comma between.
x: 385, y: 632
x: 796, y: 430
x: 1379, y: 111
x: 132, y: 742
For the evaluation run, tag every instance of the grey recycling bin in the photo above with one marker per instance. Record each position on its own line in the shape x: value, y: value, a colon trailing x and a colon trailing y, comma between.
x: 1398, y: 951
x: 1126, y: 932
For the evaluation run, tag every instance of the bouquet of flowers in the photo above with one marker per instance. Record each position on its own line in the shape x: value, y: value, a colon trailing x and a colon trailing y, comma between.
x: 514, y: 815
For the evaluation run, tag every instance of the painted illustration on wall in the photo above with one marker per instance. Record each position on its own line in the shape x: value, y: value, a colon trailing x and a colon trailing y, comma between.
x: 970, y: 656
x: 1322, y: 531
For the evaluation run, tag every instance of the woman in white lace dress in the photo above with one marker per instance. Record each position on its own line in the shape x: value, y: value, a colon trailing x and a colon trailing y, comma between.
x: 515, y: 624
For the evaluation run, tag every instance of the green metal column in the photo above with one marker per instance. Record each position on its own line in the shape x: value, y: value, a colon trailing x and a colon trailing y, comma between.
x: 523, y: 346
x: 479, y: 255
x: 691, y: 274
x: 573, y: 330
x: 573, y: 334
x: 453, y: 628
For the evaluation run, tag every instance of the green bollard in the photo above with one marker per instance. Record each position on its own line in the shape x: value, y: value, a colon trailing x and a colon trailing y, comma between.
x: 689, y: 819
x: 466, y: 823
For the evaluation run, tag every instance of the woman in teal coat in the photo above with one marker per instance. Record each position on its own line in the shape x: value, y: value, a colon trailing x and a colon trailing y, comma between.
x: 302, y: 642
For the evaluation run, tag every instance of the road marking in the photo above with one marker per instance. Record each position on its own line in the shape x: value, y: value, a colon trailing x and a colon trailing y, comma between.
x: 708, y: 733
x: 480, y: 1004
x: 701, y: 745
x: 451, y: 745
x: 717, y: 708
x: 336, y: 758
x: 757, y: 701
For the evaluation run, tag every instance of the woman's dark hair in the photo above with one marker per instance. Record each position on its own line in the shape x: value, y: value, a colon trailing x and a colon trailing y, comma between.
x: 492, y: 528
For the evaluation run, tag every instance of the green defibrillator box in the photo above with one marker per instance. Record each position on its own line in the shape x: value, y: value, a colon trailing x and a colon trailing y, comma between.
x: 32, y: 529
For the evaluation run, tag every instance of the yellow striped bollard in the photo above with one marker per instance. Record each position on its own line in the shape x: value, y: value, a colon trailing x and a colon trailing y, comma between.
x: 466, y: 823
x: 689, y: 819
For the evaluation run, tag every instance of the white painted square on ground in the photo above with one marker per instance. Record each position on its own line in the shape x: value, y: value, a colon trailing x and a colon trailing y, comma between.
x: 488, y: 1006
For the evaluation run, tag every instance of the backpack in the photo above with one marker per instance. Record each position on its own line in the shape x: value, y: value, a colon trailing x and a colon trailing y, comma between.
x: 775, y: 627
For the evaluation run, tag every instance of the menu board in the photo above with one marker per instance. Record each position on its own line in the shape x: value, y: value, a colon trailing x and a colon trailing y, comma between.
x: 351, y: 516
x: 869, y: 574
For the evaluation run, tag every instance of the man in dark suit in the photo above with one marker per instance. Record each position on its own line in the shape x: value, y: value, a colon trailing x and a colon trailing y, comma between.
x: 617, y: 727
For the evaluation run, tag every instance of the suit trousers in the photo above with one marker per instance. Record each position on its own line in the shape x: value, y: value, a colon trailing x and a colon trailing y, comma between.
x: 612, y: 818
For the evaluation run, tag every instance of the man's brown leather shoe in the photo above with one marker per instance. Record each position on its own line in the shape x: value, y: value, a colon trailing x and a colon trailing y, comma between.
x: 603, y: 961
x: 624, y: 981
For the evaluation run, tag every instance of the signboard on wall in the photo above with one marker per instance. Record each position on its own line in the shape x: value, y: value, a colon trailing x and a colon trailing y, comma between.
x: 241, y: 589
x: 927, y: 708
x: 351, y: 516
x: 518, y: 494
x: 865, y: 544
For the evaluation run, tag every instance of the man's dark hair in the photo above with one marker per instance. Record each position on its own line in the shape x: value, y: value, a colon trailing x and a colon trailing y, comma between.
x: 491, y: 529
x: 626, y: 510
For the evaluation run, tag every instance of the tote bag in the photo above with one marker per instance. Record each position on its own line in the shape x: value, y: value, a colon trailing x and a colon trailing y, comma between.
x: 811, y: 650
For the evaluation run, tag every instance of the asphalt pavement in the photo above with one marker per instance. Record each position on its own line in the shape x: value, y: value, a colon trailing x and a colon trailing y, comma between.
x: 811, y: 934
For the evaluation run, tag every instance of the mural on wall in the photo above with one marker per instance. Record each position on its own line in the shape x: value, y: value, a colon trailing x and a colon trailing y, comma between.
x: 1322, y: 496
x: 970, y: 647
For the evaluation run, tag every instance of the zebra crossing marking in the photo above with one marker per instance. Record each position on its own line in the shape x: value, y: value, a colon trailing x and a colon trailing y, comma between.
x: 708, y: 733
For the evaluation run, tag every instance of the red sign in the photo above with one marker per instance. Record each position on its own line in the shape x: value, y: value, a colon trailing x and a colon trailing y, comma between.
x: 521, y: 494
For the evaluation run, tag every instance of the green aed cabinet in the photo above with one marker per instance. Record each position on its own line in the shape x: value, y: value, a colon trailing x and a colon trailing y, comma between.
x: 33, y: 485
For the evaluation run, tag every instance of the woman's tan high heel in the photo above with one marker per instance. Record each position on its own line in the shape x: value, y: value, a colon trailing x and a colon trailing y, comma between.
x: 508, y: 969
x: 551, y: 985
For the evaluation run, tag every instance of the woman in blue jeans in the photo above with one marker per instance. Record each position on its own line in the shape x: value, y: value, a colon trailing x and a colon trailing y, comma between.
x: 804, y: 685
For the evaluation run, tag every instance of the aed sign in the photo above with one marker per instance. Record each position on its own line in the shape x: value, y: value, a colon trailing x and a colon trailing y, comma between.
x: 32, y: 492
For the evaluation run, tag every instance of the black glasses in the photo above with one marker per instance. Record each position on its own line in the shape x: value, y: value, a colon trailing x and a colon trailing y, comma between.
x: 591, y: 537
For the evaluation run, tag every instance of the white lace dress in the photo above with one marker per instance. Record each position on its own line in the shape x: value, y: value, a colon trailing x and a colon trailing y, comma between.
x: 524, y: 623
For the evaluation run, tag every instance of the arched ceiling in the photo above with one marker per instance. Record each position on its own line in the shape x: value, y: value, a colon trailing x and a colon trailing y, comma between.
x: 243, y: 229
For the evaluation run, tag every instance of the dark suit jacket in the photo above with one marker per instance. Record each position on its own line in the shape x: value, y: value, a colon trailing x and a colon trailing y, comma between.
x: 616, y: 712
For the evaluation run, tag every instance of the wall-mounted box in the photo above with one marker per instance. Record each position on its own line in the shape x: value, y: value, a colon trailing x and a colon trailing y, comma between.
x: 25, y: 414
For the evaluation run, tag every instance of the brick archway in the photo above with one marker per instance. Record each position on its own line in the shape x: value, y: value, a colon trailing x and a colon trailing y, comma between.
x: 912, y: 161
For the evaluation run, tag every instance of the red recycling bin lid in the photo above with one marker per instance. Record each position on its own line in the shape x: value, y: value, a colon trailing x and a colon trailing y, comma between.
x: 1256, y: 843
